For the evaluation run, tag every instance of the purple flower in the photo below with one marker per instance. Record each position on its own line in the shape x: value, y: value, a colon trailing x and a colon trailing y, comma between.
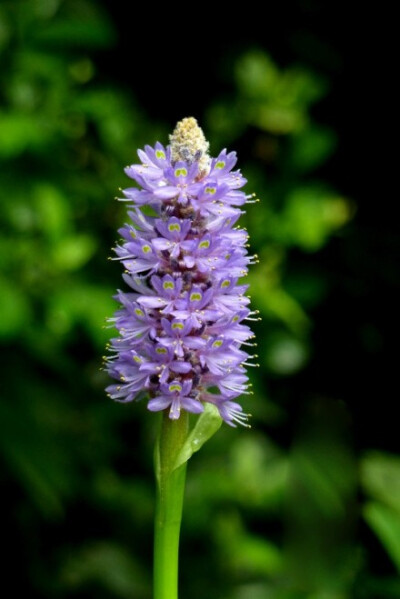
x: 181, y: 325
x: 175, y: 395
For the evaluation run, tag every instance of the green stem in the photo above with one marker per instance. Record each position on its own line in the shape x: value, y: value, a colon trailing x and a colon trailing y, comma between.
x: 169, y: 503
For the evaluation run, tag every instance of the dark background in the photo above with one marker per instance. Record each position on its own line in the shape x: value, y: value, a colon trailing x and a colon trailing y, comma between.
x: 307, y: 504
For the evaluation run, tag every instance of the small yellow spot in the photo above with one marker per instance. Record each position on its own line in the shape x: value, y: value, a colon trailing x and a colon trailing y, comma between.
x: 175, y: 388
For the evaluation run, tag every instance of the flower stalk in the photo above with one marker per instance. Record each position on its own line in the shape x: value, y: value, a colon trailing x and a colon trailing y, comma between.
x: 169, y: 504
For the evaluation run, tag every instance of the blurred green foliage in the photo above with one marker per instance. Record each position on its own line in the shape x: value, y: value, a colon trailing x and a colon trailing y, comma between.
x: 261, y: 521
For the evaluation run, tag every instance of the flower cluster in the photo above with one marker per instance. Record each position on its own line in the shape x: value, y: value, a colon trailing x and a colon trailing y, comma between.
x: 181, y: 324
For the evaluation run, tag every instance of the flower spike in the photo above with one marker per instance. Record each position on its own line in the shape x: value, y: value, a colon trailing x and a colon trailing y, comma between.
x: 181, y: 323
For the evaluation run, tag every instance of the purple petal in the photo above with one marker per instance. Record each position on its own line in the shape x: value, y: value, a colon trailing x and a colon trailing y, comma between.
x: 151, y: 301
x: 159, y: 403
x: 188, y: 261
x: 161, y: 244
x: 192, y: 405
x: 179, y: 366
x: 186, y: 387
x: 175, y: 410
x: 194, y: 342
x: 166, y: 192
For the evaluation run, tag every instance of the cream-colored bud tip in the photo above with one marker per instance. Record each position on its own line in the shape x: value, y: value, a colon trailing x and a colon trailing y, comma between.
x: 188, y: 143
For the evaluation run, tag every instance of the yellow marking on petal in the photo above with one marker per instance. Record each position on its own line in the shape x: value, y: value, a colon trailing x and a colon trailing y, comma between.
x: 181, y: 172
x: 168, y: 285
x: 210, y: 190
x: 175, y: 388
x: 195, y: 297
x: 204, y: 244
x: 139, y: 312
x: 160, y: 154
x: 137, y: 359
x: 217, y: 343
x: 174, y: 227
x: 177, y: 325
x: 146, y: 249
x: 225, y: 283
x: 220, y: 164
x: 161, y: 350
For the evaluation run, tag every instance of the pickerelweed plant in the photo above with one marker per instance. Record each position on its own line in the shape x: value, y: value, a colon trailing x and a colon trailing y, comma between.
x: 181, y: 325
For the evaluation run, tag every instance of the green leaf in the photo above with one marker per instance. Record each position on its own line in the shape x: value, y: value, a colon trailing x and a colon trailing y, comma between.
x: 78, y: 302
x: 275, y: 100
x: 272, y: 300
x: 310, y: 217
x: 385, y: 522
x: 380, y: 478
x: 52, y: 209
x: 74, y: 251
x: 105, y: 564
x: 36, y: 460
x: 285, y: 355
x: 19, y: 132
x: 244, y: 552
x: 206, y: 426
x: 14, y: 309
x: 90, y: 30
x: 311, y: 147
